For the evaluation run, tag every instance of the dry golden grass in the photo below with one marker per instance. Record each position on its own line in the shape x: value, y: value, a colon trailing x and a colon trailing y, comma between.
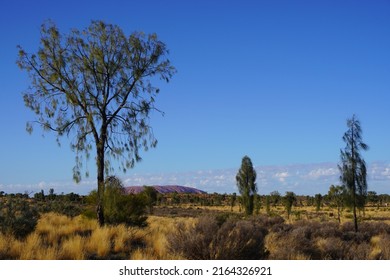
x: 9, y: 247
x: 376, y: 249
x: 60, y: 237
x: 99, y: 242
x: 31, y: 247
x: 54, y: 228
x: 72, y: 249
x: 155, y: 238
x: 121, y: 238
x: 3, y: 245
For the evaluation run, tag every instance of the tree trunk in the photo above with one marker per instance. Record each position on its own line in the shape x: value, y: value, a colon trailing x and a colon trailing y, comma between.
x: 354, y: 211
x: 354, y: 179
x: 100, y: 182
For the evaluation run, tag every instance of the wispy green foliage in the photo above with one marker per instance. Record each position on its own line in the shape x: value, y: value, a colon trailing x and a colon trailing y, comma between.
x: 353, y: 167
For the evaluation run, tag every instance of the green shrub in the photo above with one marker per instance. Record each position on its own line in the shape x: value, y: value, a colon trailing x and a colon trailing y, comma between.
x: 128, y: 209
x: 119, y: 207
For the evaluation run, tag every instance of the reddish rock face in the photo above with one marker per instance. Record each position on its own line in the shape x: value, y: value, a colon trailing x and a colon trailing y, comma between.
x: 164, y: 189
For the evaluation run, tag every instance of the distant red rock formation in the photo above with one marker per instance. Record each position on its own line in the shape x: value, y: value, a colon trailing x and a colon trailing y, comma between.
x: 165, y: 189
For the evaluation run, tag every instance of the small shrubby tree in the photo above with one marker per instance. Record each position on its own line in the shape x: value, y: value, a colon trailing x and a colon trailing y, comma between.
x: 289, y: 200
x: 337, y: 196
x: 267, y: 204
x: 246, y: 183
x: 233, y: 201
x: 275, y: 197
x: 318, y: 200
x: 257, y: 203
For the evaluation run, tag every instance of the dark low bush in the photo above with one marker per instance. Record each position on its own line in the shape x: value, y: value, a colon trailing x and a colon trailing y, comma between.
x: 17, y: 217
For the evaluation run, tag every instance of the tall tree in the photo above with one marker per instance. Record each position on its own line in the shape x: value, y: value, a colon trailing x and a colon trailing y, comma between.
x: 246, y: 183
x: 353, y: 167
x: 95, y: 85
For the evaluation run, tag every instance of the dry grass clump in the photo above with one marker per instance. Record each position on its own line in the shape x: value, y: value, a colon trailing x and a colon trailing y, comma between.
x: 98, y: 245
x: 31, y: 247
x: 55, y: 228
x: 155, y: 245
x: 9, y: 247
x: 72, y: 249
x: 114, y: 242
x: 382, y: 247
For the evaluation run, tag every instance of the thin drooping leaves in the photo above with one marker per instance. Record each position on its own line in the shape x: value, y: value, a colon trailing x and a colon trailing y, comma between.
x: 353, y: 167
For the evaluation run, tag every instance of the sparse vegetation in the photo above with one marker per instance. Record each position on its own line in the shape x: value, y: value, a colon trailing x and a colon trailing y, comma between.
x: 207, y: 227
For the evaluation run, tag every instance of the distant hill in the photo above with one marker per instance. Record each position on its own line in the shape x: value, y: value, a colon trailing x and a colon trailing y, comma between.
x: 165, y: 189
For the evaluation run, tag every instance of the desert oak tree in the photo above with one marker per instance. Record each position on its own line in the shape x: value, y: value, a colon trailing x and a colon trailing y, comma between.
x: 95, y: 86
x: 353, y: 167
x: 246, y: 183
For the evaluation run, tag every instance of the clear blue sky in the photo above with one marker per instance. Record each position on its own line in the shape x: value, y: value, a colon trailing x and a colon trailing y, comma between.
x: 274, y: 80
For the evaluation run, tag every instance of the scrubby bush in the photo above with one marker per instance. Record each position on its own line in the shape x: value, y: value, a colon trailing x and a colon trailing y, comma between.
x: 286, y: 241
x: 129, y: 210
x: 17, y: 217
x: 149, y: 194
x: 328, y: 241
x: 239, y: 240
x: 209, y: 239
